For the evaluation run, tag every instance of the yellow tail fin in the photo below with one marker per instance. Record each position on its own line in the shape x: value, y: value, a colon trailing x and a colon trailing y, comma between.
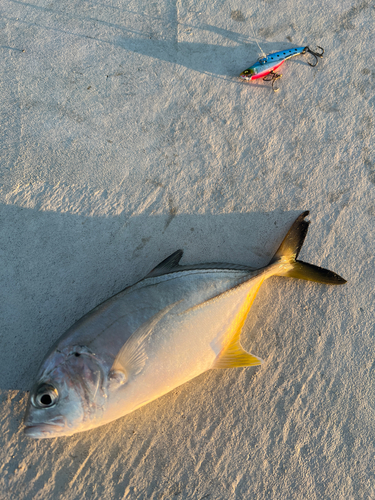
x: 289, y: 250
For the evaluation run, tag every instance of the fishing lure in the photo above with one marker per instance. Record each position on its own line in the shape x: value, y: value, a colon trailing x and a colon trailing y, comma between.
x: 265, y: 67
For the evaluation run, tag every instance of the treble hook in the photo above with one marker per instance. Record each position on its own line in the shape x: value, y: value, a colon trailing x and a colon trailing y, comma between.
x: 272, y: 77
x: 315, y: 54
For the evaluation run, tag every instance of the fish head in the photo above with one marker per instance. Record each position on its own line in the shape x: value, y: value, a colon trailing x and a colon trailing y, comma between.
x: 247, y: 74
x: 68, y: 396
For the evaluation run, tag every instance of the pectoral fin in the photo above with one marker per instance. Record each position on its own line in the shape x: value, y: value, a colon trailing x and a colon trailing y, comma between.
x: 233, y: 355
x: 132, y: 357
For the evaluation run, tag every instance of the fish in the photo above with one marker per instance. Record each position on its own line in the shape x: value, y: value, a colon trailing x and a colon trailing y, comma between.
x: 173, y: 325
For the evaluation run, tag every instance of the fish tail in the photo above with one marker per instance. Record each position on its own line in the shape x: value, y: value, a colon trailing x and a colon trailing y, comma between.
x: 288, y: 252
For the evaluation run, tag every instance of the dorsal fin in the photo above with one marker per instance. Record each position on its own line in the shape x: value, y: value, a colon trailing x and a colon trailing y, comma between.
x: 217, y: 266
x: 167, y: 265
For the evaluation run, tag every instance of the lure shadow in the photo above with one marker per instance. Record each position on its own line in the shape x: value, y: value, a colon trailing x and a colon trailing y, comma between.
x: 154, y: 36
x: 209, y: 59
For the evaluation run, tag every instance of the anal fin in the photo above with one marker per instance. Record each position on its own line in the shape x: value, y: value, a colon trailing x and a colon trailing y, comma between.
x: 234, y: 355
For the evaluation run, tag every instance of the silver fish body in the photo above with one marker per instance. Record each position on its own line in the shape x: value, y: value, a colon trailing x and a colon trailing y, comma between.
x: 170, y: 327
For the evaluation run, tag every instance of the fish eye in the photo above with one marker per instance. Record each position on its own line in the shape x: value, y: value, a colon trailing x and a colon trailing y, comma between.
x: 45, y: 396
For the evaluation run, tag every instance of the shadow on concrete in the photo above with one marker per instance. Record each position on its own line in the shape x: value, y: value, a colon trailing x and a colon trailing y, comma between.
x: 155, y: 36
x: 58, y: 266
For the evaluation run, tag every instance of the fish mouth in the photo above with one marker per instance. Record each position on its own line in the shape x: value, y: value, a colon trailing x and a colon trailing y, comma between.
x: 44, y: 430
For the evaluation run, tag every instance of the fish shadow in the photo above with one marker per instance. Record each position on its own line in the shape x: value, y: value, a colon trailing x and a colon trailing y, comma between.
x: 58, y: 266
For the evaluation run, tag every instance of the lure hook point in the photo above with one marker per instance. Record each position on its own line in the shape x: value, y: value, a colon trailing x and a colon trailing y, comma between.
x: 315, y: 54
x: 272, y: 77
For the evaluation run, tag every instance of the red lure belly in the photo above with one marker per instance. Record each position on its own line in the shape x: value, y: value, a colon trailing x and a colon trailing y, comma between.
x: 267, y: 71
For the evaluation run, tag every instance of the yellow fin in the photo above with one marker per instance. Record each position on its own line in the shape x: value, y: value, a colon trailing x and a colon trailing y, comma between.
x: 289, y: 249
x: 233, y: 355
x: 237, y: 357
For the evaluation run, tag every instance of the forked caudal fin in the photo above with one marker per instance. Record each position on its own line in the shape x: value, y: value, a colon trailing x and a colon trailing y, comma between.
x: 233, y: 354
x: 288, y: 252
